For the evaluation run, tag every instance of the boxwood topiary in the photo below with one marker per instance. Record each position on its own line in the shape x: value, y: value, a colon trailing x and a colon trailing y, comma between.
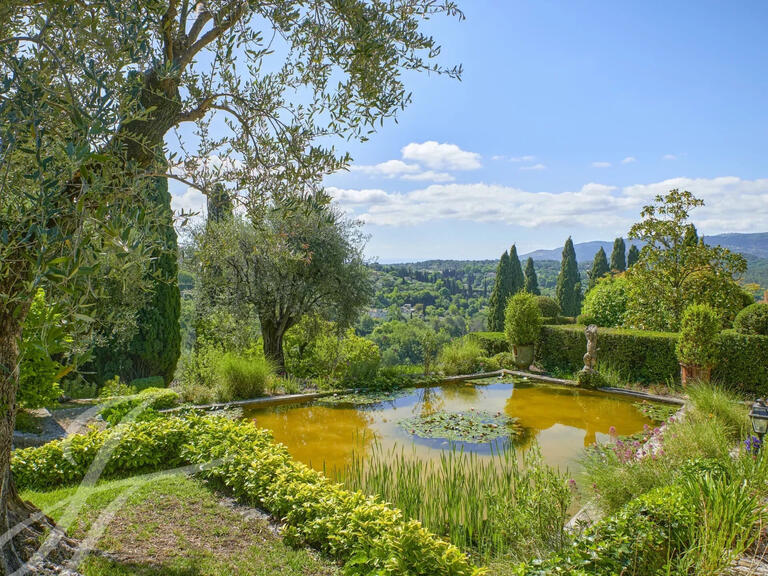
x: 548, y: 306
x: 753, y: 320
x: 522, y: 320
x: 698, y: 341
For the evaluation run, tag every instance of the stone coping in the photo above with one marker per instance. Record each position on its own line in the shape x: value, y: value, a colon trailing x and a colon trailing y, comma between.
x: 296, y: 398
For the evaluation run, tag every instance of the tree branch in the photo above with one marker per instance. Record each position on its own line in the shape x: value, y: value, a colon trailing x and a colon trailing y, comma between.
x: 166, y: 24
x: 226, y: 19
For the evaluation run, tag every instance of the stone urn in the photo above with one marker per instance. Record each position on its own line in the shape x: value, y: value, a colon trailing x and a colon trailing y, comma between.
x: 523, y: 356
x: 693, y: 373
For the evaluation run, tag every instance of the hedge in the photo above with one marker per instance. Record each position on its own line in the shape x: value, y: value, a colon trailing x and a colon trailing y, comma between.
x: 650, y: 357
x: 492, y: 342
x: 367, y: 535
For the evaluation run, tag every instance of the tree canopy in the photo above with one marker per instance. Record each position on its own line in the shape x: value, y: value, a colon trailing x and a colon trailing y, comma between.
x: 502, y: 289
x: 568, y: 290
x: 676, y: 269
x: 619, y: 255
x: 531, y: 280
x: 599, y: 268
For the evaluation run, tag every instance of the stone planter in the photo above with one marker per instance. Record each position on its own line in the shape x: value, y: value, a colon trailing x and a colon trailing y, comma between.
x: 523, y: 356
x: 693, y: 373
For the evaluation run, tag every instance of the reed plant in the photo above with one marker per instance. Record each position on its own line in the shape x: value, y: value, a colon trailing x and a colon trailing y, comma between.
x: 508, y: 504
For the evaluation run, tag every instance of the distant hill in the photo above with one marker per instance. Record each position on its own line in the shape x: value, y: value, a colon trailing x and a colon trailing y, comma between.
x: 747, y: 244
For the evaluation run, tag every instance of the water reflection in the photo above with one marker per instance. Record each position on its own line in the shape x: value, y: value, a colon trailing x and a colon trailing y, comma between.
x: 562, y: 420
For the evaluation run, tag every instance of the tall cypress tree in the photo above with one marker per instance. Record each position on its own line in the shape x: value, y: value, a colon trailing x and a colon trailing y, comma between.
x: 516, y: 272
x: 568, y: 290
x: 531, y: 280
x: 599, y: 268
x: 633, y: 256
x: 156, y: 348
x: 619, y: 256
x: 502, y: 289
x: 219, y: 204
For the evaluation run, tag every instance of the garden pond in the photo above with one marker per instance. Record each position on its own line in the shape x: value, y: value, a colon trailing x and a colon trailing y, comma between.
x: 476, y: 416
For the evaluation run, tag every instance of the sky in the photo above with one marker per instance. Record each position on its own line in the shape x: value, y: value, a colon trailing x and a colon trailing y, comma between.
x: 569, y: 117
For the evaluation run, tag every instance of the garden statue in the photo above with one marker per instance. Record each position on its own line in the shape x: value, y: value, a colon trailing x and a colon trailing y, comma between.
x: 590, y: 358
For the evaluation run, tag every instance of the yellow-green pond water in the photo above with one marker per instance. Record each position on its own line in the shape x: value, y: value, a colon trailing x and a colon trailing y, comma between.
x: 562, y: 420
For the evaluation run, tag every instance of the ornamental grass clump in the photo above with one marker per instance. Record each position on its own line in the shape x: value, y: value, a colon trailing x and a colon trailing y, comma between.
x: 510, y: 505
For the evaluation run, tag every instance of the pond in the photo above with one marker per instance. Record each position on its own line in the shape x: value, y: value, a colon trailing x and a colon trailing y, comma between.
x: 563, y: 420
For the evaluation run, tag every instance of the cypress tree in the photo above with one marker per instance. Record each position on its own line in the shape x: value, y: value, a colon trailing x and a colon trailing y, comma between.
x: 599, y: 268
x: 156, y: 348
x: 502, y: 289
x: 516, y: 272
x: 619, y: 256
x: 633, y: 256
x: 568, y: 290
x: 219, y: 204
x: 531, y: 280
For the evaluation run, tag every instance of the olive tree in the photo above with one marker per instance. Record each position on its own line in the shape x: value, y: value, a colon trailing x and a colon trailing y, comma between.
x: 297, y: 260
x: 91, y: 91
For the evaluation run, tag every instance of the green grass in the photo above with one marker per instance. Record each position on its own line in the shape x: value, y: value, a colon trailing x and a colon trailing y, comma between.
x: 176, y: 526
x: 29, y: 423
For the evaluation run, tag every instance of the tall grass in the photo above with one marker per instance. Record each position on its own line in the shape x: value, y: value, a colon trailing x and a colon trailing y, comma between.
x: 728, y: 514
x: 461, y: 356
x: 720, y: 403
x: 509, y: 504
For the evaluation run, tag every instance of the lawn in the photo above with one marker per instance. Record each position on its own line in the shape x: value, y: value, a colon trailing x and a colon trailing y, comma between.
x: 176, y: 526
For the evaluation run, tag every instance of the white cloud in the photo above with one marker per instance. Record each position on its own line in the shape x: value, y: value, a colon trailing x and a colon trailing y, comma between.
x: 629, y: 160
x: 356, y: 197
x: 731, y: 204
x: 430, y: 175
x: 441, y: 156
x: 535, y: 167
x: 515, y: 159
x: 601, y: 164
x: 669, y: 157
x: 193, y: 200
x: 388, y: 169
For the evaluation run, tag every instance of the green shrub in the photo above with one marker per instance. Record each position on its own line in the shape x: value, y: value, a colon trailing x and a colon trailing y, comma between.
x: 640, y: 539
x: 742, y: 363
x: 368, y: 536
x: 116, y: 387
x: 241, y: 377
x: 149, y: 400
x: 43, y: 342
x: 559, y: 320
x: 505, y: 360
x: 492, y: 342
x: 753, y: 320
x: 460, y: 357
x: 359, y: 360
x: 488, y: 364
x: 548, y: 306
x: 140, y: 384
x: 697, y: 344
x: 590, y: 379
x: 522, y: 320
x: 606, y: 303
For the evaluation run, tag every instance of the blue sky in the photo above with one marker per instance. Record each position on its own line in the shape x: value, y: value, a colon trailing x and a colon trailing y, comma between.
x: 569, y: 117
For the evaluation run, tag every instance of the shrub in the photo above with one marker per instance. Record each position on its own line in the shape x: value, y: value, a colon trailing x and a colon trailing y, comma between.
x: 116, y: 387
x: 741, y: 363
x: 522, y: 321
x: 753, y: 320
x: 140, y: 384
x: 359, y: 360
x: 149, y: 400
x: 367, y: 535
x: 460, y: 357
x: 699, y: 329
x: 492, y: 342
x: 241, y: 377
x: 548, y: 306
x: 590, y: 379
x: 488, y: 364
x: 44, y: 338
x: 505, y: 360
x: 606, y: 303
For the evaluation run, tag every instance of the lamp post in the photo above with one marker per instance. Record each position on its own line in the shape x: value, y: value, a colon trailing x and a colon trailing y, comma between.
x: 759, y: 416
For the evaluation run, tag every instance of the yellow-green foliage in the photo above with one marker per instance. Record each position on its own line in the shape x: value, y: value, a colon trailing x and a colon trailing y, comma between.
x: 461, y: 356
x: 145, y: 403
x: 522, y: 319
x: 369, y: 536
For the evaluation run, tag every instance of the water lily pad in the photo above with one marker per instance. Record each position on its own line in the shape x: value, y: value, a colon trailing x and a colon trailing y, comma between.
x: 656, y: 412
x: 475, y: 426
x: 366, y: 398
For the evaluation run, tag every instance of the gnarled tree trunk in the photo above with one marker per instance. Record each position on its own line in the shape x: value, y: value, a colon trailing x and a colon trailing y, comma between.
x: 273, y: 333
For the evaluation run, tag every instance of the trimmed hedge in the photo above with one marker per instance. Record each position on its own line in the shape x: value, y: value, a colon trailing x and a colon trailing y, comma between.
x: 369, y: 536
x: 650, y: 357
x: 492, y: 342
